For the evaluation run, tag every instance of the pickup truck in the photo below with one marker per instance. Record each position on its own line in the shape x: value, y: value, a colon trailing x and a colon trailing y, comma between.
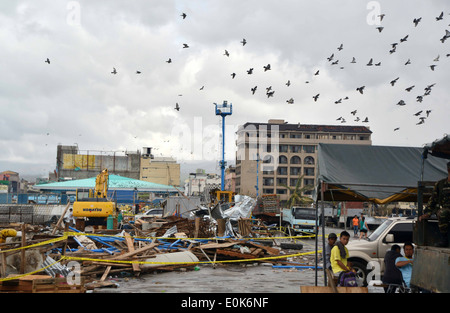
x: 395, y: 230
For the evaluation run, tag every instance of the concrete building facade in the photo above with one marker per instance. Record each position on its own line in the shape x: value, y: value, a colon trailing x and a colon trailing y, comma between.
x: 276, y: 154
x: 71, y: 163
x: 160, y: 170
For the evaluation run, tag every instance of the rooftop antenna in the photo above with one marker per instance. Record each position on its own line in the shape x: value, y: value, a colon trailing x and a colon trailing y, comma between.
x: 223, y: 110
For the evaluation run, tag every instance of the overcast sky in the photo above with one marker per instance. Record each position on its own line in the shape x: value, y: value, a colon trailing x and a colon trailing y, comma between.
x: 76, y: 98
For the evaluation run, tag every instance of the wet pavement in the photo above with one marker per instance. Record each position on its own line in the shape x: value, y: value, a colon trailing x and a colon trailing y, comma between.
x: 254, y: 277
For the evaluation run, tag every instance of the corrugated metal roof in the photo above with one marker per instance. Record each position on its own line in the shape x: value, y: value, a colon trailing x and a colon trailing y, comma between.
x: 115, y: 182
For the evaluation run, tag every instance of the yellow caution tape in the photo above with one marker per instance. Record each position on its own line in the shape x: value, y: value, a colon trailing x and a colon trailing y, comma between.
x: 37, y: 244
x: 31, y: 273
x: 186, y: 238
x: 199, y: 262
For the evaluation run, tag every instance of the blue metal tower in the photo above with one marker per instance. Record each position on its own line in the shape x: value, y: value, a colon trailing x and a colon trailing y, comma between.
x: 223, y: 110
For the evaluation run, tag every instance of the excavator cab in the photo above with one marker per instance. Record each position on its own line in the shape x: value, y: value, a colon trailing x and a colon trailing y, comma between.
x: 94, y: 203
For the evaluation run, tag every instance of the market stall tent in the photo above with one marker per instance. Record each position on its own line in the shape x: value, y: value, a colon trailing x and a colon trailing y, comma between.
x: 378, y: 174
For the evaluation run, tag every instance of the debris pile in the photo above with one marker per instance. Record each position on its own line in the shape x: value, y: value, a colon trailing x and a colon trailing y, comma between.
x: 40, y: 255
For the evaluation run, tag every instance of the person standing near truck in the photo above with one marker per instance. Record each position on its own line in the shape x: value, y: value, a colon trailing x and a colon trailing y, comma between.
x: 439, y: 204
x: 355, y: 222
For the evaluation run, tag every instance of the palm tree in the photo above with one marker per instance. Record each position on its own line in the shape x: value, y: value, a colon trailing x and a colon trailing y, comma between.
x: 296, y: 196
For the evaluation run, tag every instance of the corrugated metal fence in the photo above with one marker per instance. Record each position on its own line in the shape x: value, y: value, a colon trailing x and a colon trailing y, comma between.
x: 36, y: 214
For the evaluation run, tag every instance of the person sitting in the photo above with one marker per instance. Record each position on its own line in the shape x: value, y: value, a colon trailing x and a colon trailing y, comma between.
x: 405, y: 263
x: 339, y: 261
x: 392, y: 275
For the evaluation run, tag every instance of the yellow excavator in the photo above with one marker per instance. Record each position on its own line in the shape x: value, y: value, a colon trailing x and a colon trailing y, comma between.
x: 94, y: 204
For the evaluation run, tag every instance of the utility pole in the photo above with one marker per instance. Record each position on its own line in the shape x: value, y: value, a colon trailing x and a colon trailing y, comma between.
x: 223, y: 110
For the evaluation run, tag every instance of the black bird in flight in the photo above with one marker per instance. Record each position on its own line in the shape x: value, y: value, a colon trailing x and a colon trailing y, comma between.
x: 380, y: 29
x: 185, y: 45
x: 370, y: 62
x: 408, y: 62
x: 366, y: 120
x: 361, y: 89
x: 254, y: 90
x: 394, y: 81
x: 233, y: 75
x: 433, y: 66
x: 169, y: 60
x: 138, y: 72
x: 418, y: 113
x: 114, y: 71
x: 354, y: 112
x: 401, y: 103
x: 183, y: 15
x: 290, y: 101
x: 341, y: 47
x: 404, y: 38
x: 317, y: 73
x: 395, y: 129
x: 250, y: 71
x: 416, y: 21
x: 440, y: 17
x: 47, y: 61
x: 226, y: 53
x: 177, y: 107
x: 243, y: 42
x: 267, y: 67
x: 316, y: 97
x: 288, y: 83
x: 409, y: 88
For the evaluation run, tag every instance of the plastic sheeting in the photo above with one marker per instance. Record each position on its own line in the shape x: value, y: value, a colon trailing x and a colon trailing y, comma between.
x: 241, y: 209
x: 379, y: 174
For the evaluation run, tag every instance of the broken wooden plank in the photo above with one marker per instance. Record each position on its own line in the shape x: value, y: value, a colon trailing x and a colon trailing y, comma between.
x: 130, y: 245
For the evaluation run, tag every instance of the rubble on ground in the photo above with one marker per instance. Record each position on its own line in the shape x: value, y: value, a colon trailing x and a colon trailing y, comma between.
x: 152, y: 245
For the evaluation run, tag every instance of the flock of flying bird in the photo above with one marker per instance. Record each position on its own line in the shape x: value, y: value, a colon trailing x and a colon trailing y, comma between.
x: 331, y: 59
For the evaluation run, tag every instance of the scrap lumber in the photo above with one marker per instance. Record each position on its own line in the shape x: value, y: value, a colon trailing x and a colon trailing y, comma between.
x: 130, y: 245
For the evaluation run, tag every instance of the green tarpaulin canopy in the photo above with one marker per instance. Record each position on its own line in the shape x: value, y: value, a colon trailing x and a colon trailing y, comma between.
x: 379, y: 174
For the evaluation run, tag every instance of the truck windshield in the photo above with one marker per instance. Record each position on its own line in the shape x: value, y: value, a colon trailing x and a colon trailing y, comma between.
x: 304, y: 214
x: 380, y: 229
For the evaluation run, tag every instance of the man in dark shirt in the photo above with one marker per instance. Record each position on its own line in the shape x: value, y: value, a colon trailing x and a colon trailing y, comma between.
x: 439, y: 204
x: 392, y: 274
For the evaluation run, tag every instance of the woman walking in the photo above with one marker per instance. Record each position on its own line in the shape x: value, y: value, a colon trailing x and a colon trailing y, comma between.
x: 363, y: 228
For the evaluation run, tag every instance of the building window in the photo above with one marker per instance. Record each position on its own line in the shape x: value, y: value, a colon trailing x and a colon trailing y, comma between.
x: 296, y: 149
x: 309, y: 171
x: 295, y: 170
x: 268, y: 191
x: 282, y: 170
x: 284, y: 148
x: 308, y: 136
x: 281, y: 181
x: 309, y: 149
x: 296, y: 160
x: 293, y: 182
x: 267, y: 181
x: 281, y: 191
x: 308, y: 181
x: 309, y: 160
x: 294, y: 135
x: 282, y: 159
